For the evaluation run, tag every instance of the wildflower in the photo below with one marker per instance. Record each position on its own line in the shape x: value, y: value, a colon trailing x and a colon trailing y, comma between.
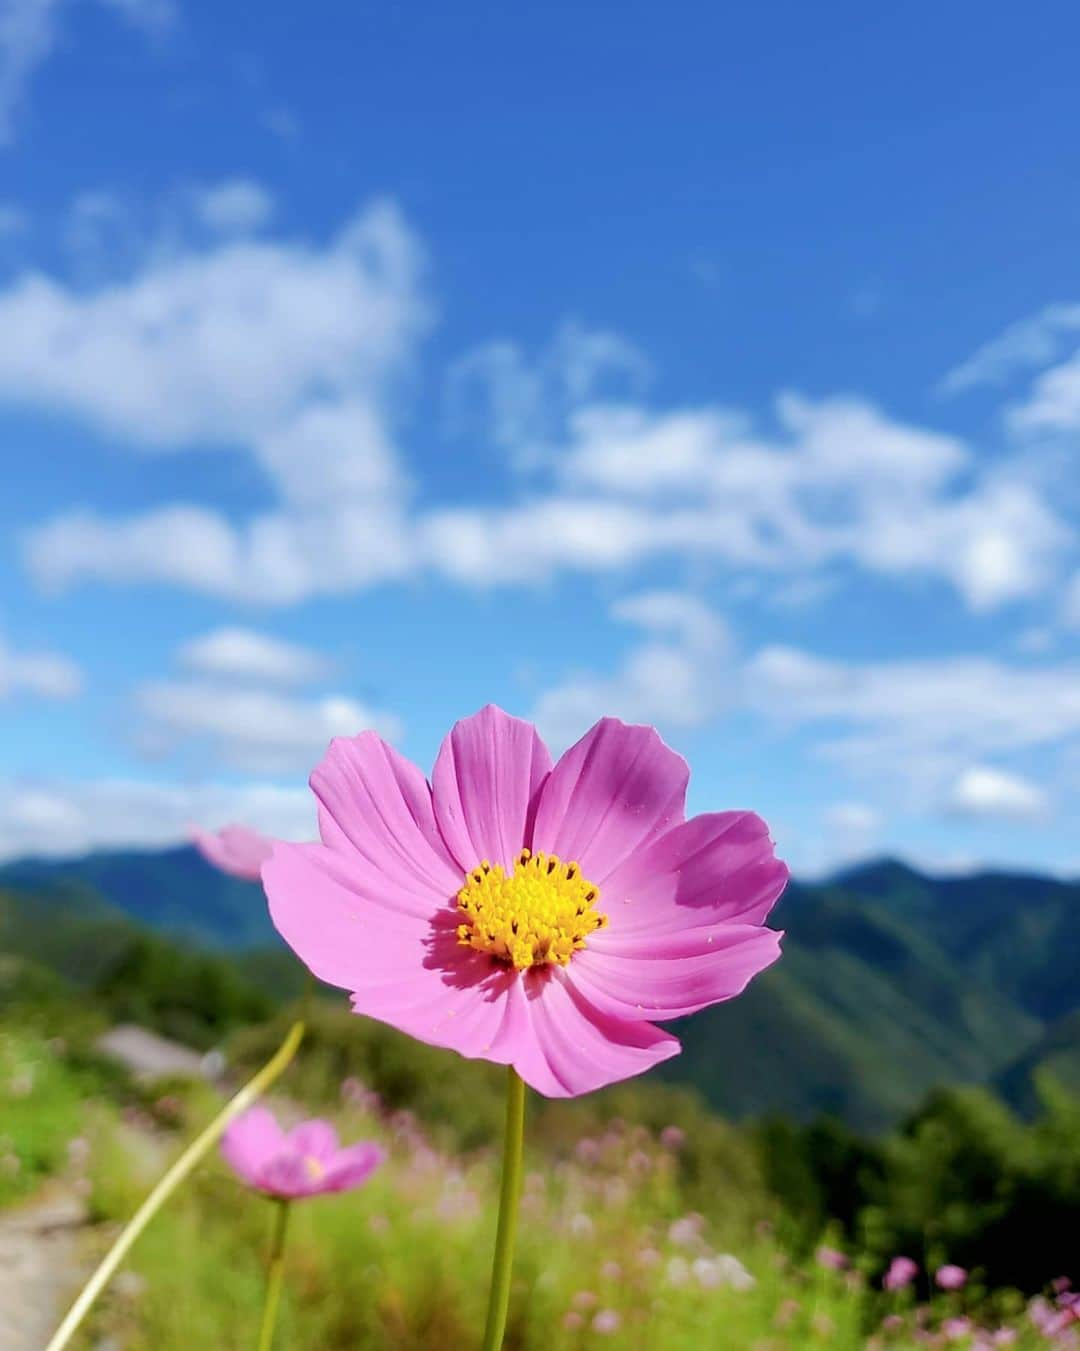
x: 956, y: 1329
x: 685, y: 1232
x: 950, y: 1277
x: 572, y: 1320
x: 678, y: 1271
x: 606, y: 1321
x: 587, y: 1150
x: 902, y: 1271
x: 585, y: 1299
x: 236, y: 850
x: 305, y: 1161
x: 611, y: 1271
x: 537, y: 915
x: 707, y: 1273
x: 892, y: 1323
x: 581, y: 1225
x: 733, y: 1273
x: 673, y: 1138
x: 649, y: 1257
x: 831, y: 1259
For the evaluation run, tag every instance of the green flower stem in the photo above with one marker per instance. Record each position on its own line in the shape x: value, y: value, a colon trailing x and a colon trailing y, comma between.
x: 509, y: 1197
x: 274, y: 1276
x: 195, y: 1152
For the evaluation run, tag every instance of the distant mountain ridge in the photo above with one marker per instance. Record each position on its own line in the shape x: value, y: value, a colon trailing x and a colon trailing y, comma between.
x: 892, y: 980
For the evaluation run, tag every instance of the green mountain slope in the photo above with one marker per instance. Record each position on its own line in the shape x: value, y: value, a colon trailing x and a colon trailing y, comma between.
x: 175, y: 890
x: 892, y: 981
x: 861, y: 1016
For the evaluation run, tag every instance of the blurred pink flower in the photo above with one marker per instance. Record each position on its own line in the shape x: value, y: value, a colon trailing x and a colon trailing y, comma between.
x: 892, y: 1322
x: 955, y: 1329
x: 236, y: 850
x: 611, y: 1271
x: 305, y: 1161
x: 585, y: 1299
x: 587, y: 1150
x: 831, y: 1258
x: 902, y: 1271
x: 572, y: 1320
x: 678, y: 1271
x: 606, y: 1321
x: 673, y: 1138
x: 950, y: 1277
x: 685, y: 1232
x: 603, y: 909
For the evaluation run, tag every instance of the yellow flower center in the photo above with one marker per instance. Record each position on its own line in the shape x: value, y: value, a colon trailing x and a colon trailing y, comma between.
x: 541, y: 913
x: 313, y: 1167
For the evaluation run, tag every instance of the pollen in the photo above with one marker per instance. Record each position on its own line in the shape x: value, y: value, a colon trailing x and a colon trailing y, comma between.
x: 540, y: 914
x: 313, y: 1167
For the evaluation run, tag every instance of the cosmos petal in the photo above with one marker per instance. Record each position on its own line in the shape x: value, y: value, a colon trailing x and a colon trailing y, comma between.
x: 612, y: 793
x: 484, y: 786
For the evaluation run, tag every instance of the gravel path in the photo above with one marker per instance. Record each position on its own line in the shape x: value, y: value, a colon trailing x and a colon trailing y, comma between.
x: 40, y: 1260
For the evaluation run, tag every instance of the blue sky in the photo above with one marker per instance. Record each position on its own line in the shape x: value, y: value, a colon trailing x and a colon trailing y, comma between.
x: 717, y: 370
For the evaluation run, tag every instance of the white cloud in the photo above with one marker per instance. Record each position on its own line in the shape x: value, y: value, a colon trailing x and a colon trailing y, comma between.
x: 1053, y: 404
x: 296, y: 355
x: 1031, y: 343
x: 223, y: 347
x: 28, y: 34
x: 236, y: 653
x: 44, y: 674
x: 1071, y: 602
x: 521, y: 404
x: 288, y: 352
x: 920, y: 721
x: 846, y: 484
x: 982, y: 791
x: 675, y: 678
x: 853, y: 818
x: 251, y: 729
x: 235, y: 206
x: 59, y: 819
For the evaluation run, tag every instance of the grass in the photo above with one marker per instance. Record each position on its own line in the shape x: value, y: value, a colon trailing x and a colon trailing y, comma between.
x: 610, y: 1254
x: 41, y: 1110
x: 634, y: 1235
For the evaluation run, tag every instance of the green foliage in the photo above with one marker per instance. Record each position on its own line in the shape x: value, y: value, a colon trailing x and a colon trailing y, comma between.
x: 892, y: 982
x: 189, y: 995
x: 41, y: 1110
x: 76, y: 965
x: 964, y: 1181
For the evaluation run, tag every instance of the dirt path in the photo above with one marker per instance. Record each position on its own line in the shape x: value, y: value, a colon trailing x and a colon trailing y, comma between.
x: 39, y: 1254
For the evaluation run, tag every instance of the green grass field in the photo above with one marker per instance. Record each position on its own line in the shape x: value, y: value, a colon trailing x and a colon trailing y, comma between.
x: 626, y: 1241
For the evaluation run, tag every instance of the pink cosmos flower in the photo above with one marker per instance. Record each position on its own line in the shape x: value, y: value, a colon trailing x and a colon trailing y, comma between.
x: 902, y: 1271
x: 950, y: 1277
x: 236, y: 850
x: 305, y: 1161
x: 534, y: 914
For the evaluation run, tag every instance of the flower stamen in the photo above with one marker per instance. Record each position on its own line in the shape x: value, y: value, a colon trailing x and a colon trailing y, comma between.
x: 541, y: 914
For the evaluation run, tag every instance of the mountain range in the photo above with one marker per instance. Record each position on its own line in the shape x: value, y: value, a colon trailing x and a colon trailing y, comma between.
x: 892, y: 981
